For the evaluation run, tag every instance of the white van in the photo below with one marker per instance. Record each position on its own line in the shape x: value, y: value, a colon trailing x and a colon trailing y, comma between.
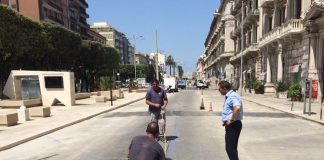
x: 170, y: 84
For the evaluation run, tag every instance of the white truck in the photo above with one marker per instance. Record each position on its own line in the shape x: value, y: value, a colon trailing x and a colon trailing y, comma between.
x: 170, y: 84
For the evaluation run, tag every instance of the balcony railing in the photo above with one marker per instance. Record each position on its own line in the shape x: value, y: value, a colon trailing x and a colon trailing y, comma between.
x: 291, y: 27
x: 84, y: 3
x: 53, y: 5
x: 251, y: 48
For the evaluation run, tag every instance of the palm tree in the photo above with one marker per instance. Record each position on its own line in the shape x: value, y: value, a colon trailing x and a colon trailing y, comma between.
x: 169, y: 62
x: 174, y: 65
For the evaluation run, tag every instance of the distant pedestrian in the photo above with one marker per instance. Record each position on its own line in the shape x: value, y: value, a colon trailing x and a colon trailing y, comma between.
x: 157, y: 100
x: 145, y: 147
x: 231, y: 118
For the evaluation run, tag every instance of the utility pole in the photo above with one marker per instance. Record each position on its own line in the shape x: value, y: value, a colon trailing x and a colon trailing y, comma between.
x: 156, y: 57
x: 242, y: 37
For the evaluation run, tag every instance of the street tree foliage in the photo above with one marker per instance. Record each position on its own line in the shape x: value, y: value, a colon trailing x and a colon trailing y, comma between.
x: 22, y: 42
x: 142, y: 71
x: 169, y: 62
x: 95, y: 60
x: 29, y: 45
x: 63, y: 48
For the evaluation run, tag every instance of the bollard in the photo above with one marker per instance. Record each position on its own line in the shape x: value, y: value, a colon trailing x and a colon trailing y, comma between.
x: 321, y: 107
x: 23, y: 114
x: 202, y: 107
x: 210, y: 107
x: 292, y: 105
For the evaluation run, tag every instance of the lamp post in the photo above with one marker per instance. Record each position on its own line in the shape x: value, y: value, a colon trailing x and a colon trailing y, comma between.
x: 241, y: 49
x: 156, y: 58
x: 134, y: 40
x: 241, y: 76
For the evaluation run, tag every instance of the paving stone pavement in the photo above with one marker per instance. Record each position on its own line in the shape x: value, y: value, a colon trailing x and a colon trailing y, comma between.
x: 284, y: 105
x: 84, y: 109
x: 61, y: 117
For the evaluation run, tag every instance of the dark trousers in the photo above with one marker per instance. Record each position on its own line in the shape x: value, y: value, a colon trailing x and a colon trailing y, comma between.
x: 231, y: 139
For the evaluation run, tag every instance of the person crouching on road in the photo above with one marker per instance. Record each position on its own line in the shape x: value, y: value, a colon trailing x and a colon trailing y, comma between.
x: 145, y: 147
x: 157, y: 100
x: 231, y: 118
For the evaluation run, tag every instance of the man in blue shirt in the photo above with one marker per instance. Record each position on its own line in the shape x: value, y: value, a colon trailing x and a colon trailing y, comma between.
x: 231, y: 118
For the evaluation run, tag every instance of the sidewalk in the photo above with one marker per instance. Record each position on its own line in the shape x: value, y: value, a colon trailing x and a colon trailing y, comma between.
x: 285, y: 105
x: 61, y: 117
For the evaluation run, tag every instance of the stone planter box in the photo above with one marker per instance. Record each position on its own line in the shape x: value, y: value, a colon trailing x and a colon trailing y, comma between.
x: 282, y: 95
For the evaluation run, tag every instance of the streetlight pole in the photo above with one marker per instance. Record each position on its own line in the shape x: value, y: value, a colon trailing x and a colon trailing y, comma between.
x: 156, y: 57
x: 135, y: 38
x: 242, y: 43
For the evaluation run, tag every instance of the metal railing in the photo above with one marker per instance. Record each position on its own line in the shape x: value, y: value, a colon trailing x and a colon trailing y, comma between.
x: 292, y: 26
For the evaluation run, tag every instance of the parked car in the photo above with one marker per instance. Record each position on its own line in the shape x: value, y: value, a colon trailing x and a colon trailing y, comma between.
x: 181, y: 84
x: 201, y: 84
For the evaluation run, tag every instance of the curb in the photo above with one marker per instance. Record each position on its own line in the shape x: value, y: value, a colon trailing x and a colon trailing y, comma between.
x: 294, y: 115
x: 64, y: 126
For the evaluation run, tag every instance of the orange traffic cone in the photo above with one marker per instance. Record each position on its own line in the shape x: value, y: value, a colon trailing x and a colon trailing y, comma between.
x: 210, y: 107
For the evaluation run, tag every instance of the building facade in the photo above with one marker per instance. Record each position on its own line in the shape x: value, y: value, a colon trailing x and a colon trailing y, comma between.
x: 245, y: 37
x: 115, y: 39
x: 219, y: 46
x: 70, y: 14
x: 94, y: 36
x: 277, y: 41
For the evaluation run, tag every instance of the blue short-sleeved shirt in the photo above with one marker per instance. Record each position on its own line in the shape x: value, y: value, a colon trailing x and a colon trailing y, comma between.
x: 232, y: 99
x: 156, y: 97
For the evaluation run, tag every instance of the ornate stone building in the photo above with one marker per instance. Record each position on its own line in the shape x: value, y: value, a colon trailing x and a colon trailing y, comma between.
x: 282, y: 40
x: 245, y: 37
x: 115, y: 39
x: 219, y: 46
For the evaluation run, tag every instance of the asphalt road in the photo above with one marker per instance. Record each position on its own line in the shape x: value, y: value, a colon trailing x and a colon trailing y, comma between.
x: 192, y: 134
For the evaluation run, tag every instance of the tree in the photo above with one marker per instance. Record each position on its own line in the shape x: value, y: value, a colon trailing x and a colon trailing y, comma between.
x: 169, y: 62
x: 22, y: 42
x: 64, y: 48
x: 95, y: 60
x: 174, y: 64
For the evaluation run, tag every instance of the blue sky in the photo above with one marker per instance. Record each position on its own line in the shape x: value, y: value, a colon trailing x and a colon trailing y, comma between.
x: 182, y: 25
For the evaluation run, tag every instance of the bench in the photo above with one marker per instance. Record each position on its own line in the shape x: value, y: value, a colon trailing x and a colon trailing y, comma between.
x: 16, y: 103
x: 8, y: 118
x: 82, y: 95
x: 118, y: 93
x: 101, y: 99
x: 40, y: 111
x: 107, y: 95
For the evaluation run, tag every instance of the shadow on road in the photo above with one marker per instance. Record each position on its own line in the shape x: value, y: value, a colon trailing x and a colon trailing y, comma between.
x: 170, y: 138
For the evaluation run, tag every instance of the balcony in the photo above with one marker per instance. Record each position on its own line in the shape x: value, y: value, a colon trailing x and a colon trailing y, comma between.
x: 226, y: 55
x: 83, y: 3
x: 264, y: 3
x: 249, y: 52
x: 288, y: 29
x: 251, y: 17
x: 84, y: 15
x: 53, y: 19
x: 53, y: 6
x: 219, y: 41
